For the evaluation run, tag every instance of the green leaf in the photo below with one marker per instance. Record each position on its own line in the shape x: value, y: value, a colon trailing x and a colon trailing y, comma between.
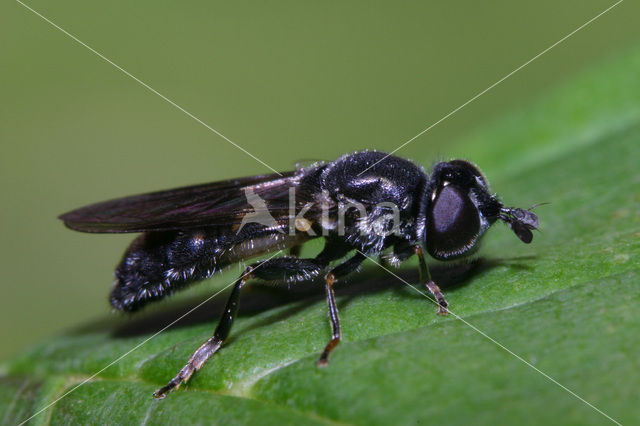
x: 567, y: 304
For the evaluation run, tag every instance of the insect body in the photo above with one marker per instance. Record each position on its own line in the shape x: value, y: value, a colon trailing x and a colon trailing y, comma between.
x: 392, y: 208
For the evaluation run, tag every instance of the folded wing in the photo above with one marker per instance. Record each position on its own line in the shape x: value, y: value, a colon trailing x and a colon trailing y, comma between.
x: 209, y: 205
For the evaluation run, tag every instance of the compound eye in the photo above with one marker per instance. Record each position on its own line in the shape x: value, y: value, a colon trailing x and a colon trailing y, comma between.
x: 453, y: 223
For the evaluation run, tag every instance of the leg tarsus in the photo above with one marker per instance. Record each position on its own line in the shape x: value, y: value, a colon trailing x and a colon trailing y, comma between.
x: 196, y: 362
x: 442, y: 302
x: 324, y: 358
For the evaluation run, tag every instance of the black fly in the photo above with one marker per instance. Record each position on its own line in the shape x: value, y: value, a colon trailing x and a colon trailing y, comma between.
x: 393, y: 209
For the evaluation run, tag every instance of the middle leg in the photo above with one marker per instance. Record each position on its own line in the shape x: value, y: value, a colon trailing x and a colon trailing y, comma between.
x: 339, y: 271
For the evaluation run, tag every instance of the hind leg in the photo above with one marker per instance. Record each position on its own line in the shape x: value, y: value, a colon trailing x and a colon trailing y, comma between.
x: 290, y: 269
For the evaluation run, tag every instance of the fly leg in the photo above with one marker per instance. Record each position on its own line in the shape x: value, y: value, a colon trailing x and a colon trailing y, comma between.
x: 295, y: 250
x: 291, y: 269
x: 425, y: 277
x: 211, y: 346
x: 339, y: 271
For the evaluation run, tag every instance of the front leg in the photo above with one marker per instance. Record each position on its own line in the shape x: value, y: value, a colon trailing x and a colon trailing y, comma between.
x: 425, y: 277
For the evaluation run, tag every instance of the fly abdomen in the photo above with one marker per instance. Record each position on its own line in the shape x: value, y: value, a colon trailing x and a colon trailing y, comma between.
x: 160, y: 263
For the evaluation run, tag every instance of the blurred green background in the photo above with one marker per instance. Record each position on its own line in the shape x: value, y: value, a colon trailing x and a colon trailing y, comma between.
x: 287, y: 81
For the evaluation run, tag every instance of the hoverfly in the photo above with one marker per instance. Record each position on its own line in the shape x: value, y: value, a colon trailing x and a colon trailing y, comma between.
x: 393, y: 209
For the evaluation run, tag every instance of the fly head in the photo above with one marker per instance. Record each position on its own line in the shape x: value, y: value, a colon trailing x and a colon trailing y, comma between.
x: 459, y: 209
